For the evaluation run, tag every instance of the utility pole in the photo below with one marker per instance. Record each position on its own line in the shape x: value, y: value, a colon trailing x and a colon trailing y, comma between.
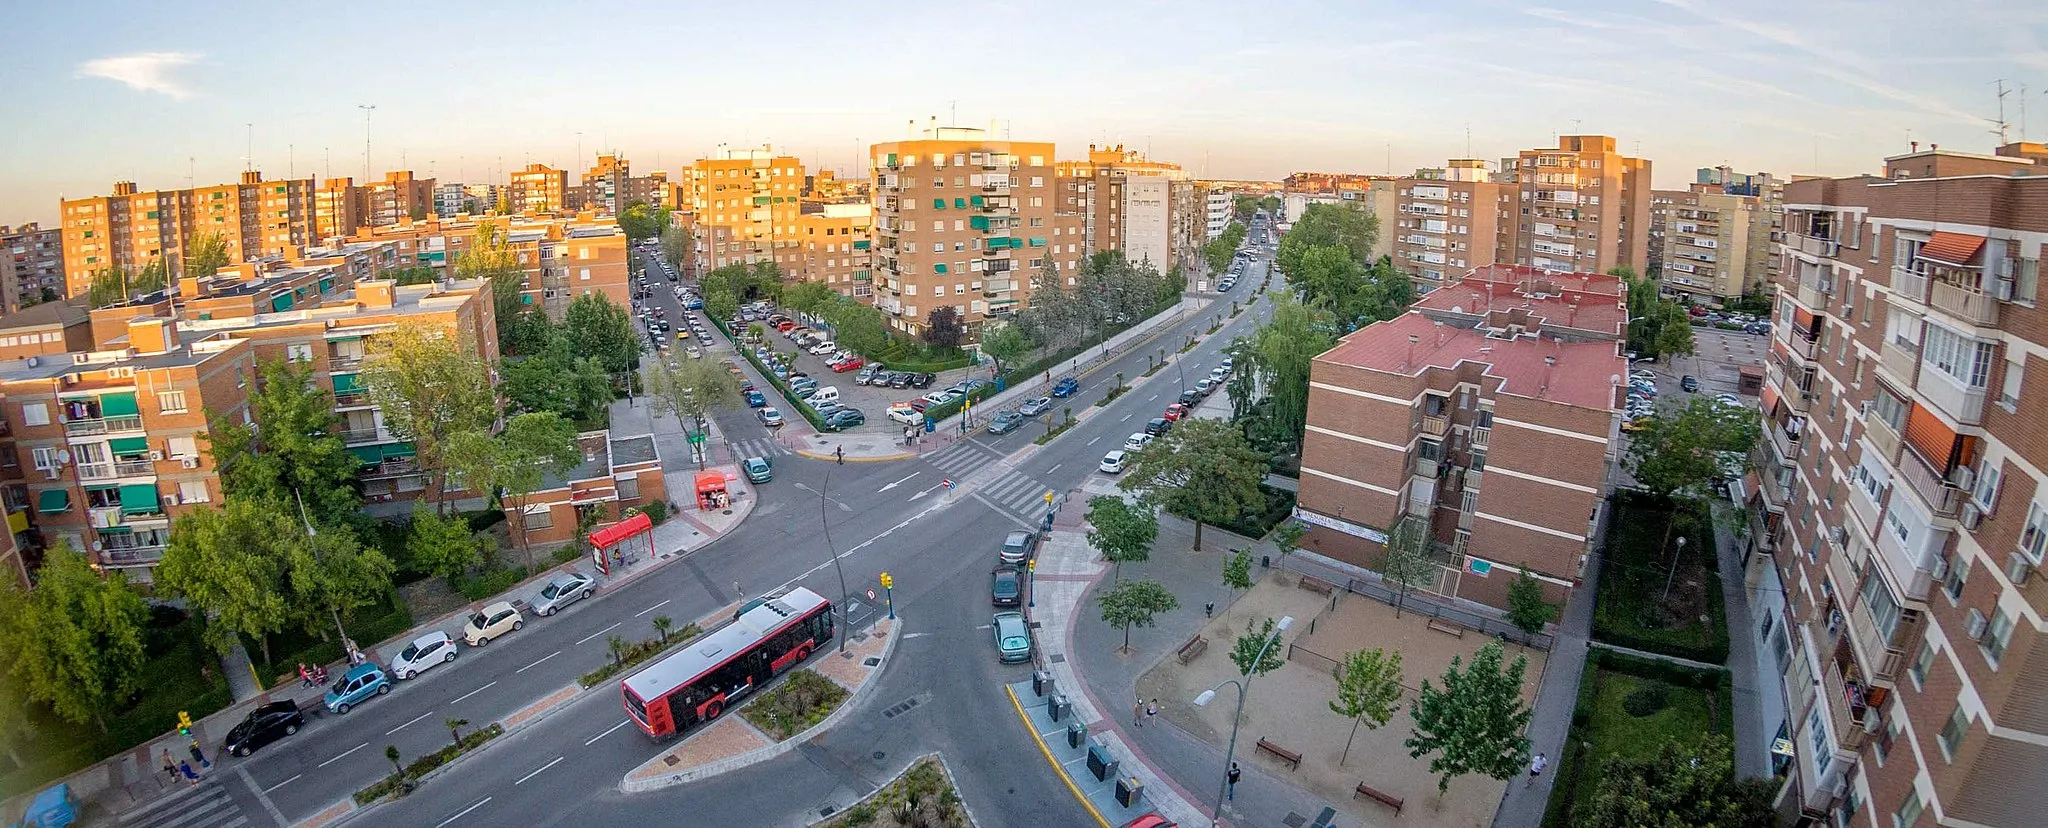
x: 249, y: 153
x: 367, y: 109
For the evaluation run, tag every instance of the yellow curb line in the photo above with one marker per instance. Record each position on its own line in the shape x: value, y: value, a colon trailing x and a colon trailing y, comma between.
x: 886, y: 459
x: 1050, y: 760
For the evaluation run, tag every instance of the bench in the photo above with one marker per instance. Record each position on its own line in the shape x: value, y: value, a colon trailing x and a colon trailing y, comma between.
x: 1193, y: 649
x: 1452, y: 627
x: 1386, y: 799
x: 1317, y: 585
x: 1292, y: 759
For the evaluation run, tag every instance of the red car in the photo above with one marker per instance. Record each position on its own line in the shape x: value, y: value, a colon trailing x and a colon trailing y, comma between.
x: 1175, y: 412
x: 919, y: 404
x: 785, y: 325
x: 848, y: 364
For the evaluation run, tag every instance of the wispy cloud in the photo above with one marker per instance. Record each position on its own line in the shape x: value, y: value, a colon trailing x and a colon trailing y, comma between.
x: 144, y: 71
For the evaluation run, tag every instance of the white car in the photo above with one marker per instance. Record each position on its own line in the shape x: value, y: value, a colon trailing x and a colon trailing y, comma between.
x: 490, y: 622
x: 424, y: 652
x: 824, y: 348
x: 1137, y: 442
x: 1729, y: 400
x: 1113, y: 462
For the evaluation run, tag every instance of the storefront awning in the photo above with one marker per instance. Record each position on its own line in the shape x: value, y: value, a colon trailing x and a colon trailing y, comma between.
x: 53, y: 501
x: 1952, y: 248
x: 140, y: 499
x: 710, y: 481
x: 128, y: 445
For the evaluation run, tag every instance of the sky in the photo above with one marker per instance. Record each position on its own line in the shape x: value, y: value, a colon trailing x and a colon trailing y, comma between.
x: 163, y: 93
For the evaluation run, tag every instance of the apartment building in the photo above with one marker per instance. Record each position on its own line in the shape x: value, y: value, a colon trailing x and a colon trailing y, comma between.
x: 607, y: 185
x: 401, y: 197
x: 538, y: 189
x: 132, y: 228
x: 961, y: 218
x: 1707, y: 245
x: 616, y: 474
x: 31, y: 263
x: 1898, y: 517
x: 756, y: 196
x: 1445, y: 220
x: 1580, y: 206
x: 451, y: 200
x: 485, y: 198
x: 1217, y: 205
x: 564, y: 256
x: 1487, y: 415
x: 826, y: 185
x: 46, y: 330
x: 838, y: 243
x: 1125, y: 201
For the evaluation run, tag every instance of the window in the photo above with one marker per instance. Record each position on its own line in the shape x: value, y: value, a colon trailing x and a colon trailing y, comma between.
x: 1960, y: 358
x: 1921, y: 663
x: 171, y: 402
x: 2035, y: 534
x: 1430, y: 450
x: 45, y: 458
x: 1952, y: 581
x: 2009, y: 391
x: 35, y: 414
x: 1985, y: 494
x: 1952, y: 733
x: 1884, y: 609
x: 1996, y: 636
x: 193, y: 491
x: 629, y: 487
x: 299, y: 352
x: 536, y: 517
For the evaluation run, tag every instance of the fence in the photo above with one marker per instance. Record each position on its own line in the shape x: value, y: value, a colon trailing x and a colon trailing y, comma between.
x: 1423, y: 604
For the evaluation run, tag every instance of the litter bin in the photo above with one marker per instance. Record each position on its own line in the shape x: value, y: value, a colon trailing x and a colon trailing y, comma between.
x: 1077, y: 735
x: 1041, y: 683
x: 1058, y: 707
x: 1129, y: 791
x: 1100, y: 764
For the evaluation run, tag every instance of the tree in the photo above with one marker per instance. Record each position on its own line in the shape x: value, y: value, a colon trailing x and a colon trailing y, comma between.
x: 331, y: 572
x: 455, y: 727
x: 1474, y: 724
x: 1286, y: 537
x: 391, y: 753
x: 594, y: 326
x: 662, y: 624
x: 76, y: 641
x: 678, y: 246
x: 558, y: 381
x: 858, y: 327
x: 516, y: 462
x: 442, y: 546
x: 1246, y: 653
x: 1006, y: 344
x: 1657, y: 326
x: 942, y: 327
x: 1407, y: 564
x: 1277, y: 358
x: 809, y: 297
x: 109, y: 286
x: 1684, y: 784
x: 1202, y: 470
x: 1135, y: 603
x: 153, y: 277
x: 430, y: 389
x: 229, y: 562
x: 1120, y: 531
x: 1344, y: 225
x: 1680, y: 453
x: 415, y: 275
x: 1368, y: 691
x: 690, y: 391
x: 1526, y: 608
x: 207, y: 255
x: 719, y: 302
x: 642, y: 222
x: 291, y: 450
x: 1237, y: 569
x: 490, y: 259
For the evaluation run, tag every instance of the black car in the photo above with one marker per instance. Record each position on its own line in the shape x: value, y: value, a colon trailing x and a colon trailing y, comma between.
x: 1190, y: 397
x: 900, y: 379
x: 845, y: 418
x: 923, y: 380
x: 1157, y: 426
x: 264, y: 725
x: 1006, y: 588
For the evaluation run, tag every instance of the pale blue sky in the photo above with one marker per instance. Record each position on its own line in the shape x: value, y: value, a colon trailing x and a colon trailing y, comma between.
x: 99, y: 92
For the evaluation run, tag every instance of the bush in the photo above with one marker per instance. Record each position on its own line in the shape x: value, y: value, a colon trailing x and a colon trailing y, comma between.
x: 491, y: 582
x: 1648, y: 699
x: 804, y: 699
x: 567, y: 553
x: 636, y: 653
x: 366, y: 626
x: 403, y: 783
x: 1279, y: 506
x: 657, y: 512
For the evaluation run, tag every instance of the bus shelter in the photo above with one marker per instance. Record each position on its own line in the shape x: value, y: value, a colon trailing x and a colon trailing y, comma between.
x: 620, y: 542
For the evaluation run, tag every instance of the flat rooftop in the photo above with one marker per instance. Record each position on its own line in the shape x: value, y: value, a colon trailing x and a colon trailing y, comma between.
x: 1561, y: 301
x: 51, y: 367
x: 1585, y: 374
x: 627, y: 451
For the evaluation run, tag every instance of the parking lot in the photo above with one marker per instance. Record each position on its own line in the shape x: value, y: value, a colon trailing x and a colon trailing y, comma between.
x: 872, y: 402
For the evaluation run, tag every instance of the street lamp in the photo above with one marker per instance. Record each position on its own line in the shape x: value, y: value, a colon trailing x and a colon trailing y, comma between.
x: 833, y: 552
x: 1243, y: 689
x: 1673, y: 572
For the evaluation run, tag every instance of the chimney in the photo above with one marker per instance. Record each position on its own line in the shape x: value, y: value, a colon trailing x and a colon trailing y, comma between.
x: 1412, y: 339
x: 374, y: 293
x: 252, y: 177
x: 1549, y: 367
x: 1916, y: 146
x: 124, y: 188
x: 153, y: 335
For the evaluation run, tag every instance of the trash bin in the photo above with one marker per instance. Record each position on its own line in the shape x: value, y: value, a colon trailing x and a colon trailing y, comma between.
x: 1100, y: 763
x: 1041, y: 683
x: 1077, y: 735
x: 1129, y: 792
x: 1058, y: 707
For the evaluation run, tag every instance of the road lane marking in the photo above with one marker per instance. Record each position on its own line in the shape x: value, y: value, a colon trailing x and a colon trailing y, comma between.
x: 863, y: 545
x: 614, y: 729
x: 536, y: 771
x: 1055, y: 467
x: 537, y: 663
x: 905, y: 479
x: 474, y: 692
x: 1092, y: 440
x: 282, y: 784
x: 407, y: 724
x: 652, y: 608
x: 464, y: 812
x: 615, y: 624
x: 344, y: 753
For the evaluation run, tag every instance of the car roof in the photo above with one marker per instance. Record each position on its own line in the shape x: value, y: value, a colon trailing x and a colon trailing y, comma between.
x: 361, y: 670
x: 761, y: 460
x: 276, y: 707
x: 1016, y: 535
x: 431, y: 638
x: 1116, y: 453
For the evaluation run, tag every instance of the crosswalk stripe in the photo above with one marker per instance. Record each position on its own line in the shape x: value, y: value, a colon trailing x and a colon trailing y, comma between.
x: 1007, y: 485
x: 1026, y: 499
x: 204, y: 791
x: 200, y: 810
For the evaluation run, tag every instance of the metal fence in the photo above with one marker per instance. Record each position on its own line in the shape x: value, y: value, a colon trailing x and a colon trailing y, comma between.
x: 1420, y: 603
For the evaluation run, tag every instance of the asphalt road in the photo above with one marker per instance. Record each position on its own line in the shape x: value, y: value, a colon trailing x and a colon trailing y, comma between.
x: 881, y: 517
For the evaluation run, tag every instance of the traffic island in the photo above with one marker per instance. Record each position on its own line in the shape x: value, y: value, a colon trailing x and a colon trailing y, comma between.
x: 734, y: 742
x: 922, y: 795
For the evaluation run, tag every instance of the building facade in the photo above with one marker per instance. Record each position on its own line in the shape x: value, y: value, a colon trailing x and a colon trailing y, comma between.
x: 757, y: 197
x: 1580, y: 206
x: 31, y: 265
x: 131, y: 228
x: 838, y: 247
x: 538, y: 189
x: 1445, y: 221
x: 1125, y: 202
x: 401, y: 197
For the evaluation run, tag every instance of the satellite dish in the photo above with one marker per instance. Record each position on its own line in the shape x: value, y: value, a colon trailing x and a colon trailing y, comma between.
x: 63, y: 457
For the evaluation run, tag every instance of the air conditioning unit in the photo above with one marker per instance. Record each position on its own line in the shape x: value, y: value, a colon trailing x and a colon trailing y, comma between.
x: 189, y: 462
x: 2017, y: 568
x: 1963, y: 477
x: 1940, y: 572
x: 1838, y: 535
x: 1972, y: 516
x: 172, y: 500
x: 1973, y: 629
x: 2005, y: 290
x: 156, y: 456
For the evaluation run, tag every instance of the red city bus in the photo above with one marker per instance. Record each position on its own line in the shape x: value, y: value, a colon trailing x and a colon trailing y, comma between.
x: 697, y: 684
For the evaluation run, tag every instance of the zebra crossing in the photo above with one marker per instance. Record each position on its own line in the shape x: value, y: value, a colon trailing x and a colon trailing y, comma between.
x: 207, y: 805
x: 979, y: 471
x: 758, y: 447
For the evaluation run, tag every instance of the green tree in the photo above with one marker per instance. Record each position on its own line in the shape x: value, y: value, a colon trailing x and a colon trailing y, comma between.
x: 230, y: 562
x: 595, y: 326
x: 809, y: 297
x: 1121, y: 532
x: 1368, y: 691
x: 662, y: 624
x: 490, y: 259
x: 517, y: 462
x: 207, y: 255
x: 1246, y: 652
x: 291, y: 450
x: 678, y: 246
x: 641, y: 221
x: 109, y: 286
x: 1526, y: 608
x: 455, y: 727
x: 415, y: 275
x: 556, y: 381
x: 430, y: 389
x: 1286, y: 537
x: 1344, y: 225
x: 1277, y: 358
x: 1202, y: 470
x: 719, y: 302
x: 1475, y: 723
x: 1684, y: 784
x: 17, y: 734
x: 1680, y: 453
x: 942, y: 327
x: 332, y: 573
x: 391, y: 753
x: 153, y: 277
x: 857, y: 327
x: 1007, y: 344
x: 1407, y: 564
x: 690, y: 391
x: 1237, y: 569
x: 441, y: 546
x: 1132, y: 603
x: 1270, y: 204
x: 75, y: 642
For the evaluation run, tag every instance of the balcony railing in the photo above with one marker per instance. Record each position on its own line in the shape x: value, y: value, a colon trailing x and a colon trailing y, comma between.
x: 133, y: 556
x: 1435, y: 426
x: 362, y: 436
x: 1907, y: 569
x: 344, y: 363
x: 1943, y: 499
x: 1816, y: 246
x: 1481, y: 436
x: 1963, y: 402
x: 1909, y: 285
x: 1804, y: 343
x: 1845, y: 711
x: 102, y: 425
x: 1968, y: 304
x: 1786, y: 444
x: 1876, y: 654
x: 351, y: 399
x: 1883, y: 436
x: 125, y: 468
x: 1816, y: 294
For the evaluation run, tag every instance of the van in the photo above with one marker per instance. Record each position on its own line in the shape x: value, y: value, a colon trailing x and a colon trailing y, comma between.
x: 827, y: 394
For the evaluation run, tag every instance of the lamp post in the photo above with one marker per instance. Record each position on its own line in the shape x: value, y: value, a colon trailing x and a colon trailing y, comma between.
x: 1673, y: 571
x: 826, y: 524
x: 1243, y: 689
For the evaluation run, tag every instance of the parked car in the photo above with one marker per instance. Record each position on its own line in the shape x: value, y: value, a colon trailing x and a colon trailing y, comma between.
x: 1689, y: 383
x: 1158, y: 426
x: 900, y: 379
x: 1113, y: 462
x: 1729, y: 400
x: 869, y: 374
x: 1035, y: 407
x: 823, y: 348
x: 756, y: 399
x: 1018, y: 548
x: 490, y: 622
x: 561, y: 591
x: 769, y: 417
x: 1066, y: 387
x: 848, y: 364
x: 359, y: 683
x: 1206, y: 386
x: 924, y: 380
x: 758, y: 470
x: 824, y: 407
x: 1190, y: 397
x: 1175, y: 412
x: 1137, y: 442
x: 423, y: 653
x: 1005, y: 422
x: 1013, y: 637
x: 1006, y: 587
x: 844, y: 419
x: 267, y: 723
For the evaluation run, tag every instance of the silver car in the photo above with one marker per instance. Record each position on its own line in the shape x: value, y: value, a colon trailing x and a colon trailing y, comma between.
x: 561, y: 591
x: 1035, y: 407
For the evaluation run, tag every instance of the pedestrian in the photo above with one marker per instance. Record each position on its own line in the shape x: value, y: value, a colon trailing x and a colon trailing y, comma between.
x: 186, y: 771
x: 1138, y: 714
x: 170, y: 766
x: 1536, y: 766
x: 839, y: 452
x: 1235, y: 775
x: 1151, y: 710
x: 198, y: 756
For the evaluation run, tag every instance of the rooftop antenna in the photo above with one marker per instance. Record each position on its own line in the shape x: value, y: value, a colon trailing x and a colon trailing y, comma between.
x: 1468, y: 143
x: 249, y: 153
x: 291, y: 160
x: 191, y: 168
x: 2000, y: 123
x: 953, y: 112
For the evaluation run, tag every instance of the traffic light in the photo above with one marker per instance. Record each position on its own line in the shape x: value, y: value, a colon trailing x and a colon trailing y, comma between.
x: 184, y: 723
x: 888, y: 582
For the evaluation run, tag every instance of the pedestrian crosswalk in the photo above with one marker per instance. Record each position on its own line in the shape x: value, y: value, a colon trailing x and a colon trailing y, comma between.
x: 759, y: 447
x: 207, y: 805
x: 978, y: 471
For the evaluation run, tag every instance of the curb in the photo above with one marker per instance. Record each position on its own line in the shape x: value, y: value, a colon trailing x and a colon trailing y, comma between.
x: 763, y: 754
x: 935, y: 756
x: 1050, y: 760
x: 883, y: 459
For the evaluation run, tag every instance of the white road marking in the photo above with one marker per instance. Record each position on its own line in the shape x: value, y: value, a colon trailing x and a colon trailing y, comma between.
x: 1092, y: 440
x: 282, y: 784
x: 1055, y: 467
x: 863, y: 545
x: 1127, y: 417
x: 614, y: 729
x: 407, y: 724
x: 537, y: 663
x: 474, y: 692
x: 344, y: 753
x: 465, y: 812
x: 615, y: 624
x: 536, y: 771
x: 900, y: 482
x: 653, y: 608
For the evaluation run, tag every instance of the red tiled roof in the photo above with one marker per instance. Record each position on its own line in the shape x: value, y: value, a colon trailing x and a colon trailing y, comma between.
x: 1600, y: 283
x: 1952, y: 248
x: 1561, y: 304
x: 1585, y: 374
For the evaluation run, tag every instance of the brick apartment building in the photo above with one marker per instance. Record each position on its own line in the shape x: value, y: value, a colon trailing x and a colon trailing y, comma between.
x: 1716, y: 240
x: 31, y: 262
x: 1488, y: 413
x: 564, y: 257
x: 132, y: 228
x: 1580, y: 206
x: 1126, y: 202
x: 756, y: 196
x: 960, y: 219
x: 539, y: 189
x: 1899, y: 517
x: 1446, y: 221
x: 838, y: 243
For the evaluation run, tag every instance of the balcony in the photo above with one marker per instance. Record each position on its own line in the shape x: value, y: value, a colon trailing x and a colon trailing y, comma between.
x: 1816, y: 293
x: 344, y: 363
x: 131, y: 556
x: 1908, y: 570
x: 1425, y: 467
x: 1883, y: 437
x: 1435, y: 426
x: 1872, y: 649
x: 352, y: 399
x: 1785, y: 440
x: 1901, y: 360
x: 123, y: 468
x: 1909, y: 285
x: 1805, y: 343
x: 102, y: 425
x: 1963, y: 402
x: 365, y: 436
x: 1480, y: 437
x: 1941, y: 498
x: 1967, y: 304
x: 1846, y: 708
x: 1817, y: 246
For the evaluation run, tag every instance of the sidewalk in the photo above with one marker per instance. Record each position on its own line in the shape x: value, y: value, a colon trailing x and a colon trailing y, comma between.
x: 1523, y: 805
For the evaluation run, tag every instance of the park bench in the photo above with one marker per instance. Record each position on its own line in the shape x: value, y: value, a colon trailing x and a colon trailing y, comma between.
x: 1194, y: 648
x: 1386, y: 799
x: 1317, y: 585
x: 1292, y: 758
x: 1452, y: 627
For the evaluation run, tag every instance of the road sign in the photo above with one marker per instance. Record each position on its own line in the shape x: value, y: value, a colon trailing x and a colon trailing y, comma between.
x: 1048, y: 497
x: 697, y: 439
x: 871, y: 595
x: 948, y: 483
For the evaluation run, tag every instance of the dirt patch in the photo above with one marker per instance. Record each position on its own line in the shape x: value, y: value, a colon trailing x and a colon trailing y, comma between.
x: 430, y: 598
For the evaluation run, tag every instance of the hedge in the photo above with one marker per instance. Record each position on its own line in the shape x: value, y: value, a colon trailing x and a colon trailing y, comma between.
x: 639, y: 652
x: 1021, y: 375
x: 1279, y: 505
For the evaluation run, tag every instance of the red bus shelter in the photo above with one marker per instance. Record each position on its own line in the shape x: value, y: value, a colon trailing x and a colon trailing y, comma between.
x: 635, y: 530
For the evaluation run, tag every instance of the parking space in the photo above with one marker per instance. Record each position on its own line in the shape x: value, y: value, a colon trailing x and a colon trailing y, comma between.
x: 873, y: 401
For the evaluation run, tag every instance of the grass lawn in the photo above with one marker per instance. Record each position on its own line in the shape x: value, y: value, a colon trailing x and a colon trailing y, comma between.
x: 803, y: 699
x: 1606, y: 729
x: 1631, y: 610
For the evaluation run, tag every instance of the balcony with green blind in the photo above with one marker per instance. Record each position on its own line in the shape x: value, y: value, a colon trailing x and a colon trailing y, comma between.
x: 349, y: 391
x: 938, y: 204
x: 104, y: 414
x: 141, y: 499
x: 1003, y: 243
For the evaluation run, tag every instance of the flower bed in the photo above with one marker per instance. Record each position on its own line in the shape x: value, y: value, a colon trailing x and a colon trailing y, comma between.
x: 634, y: 654
x: 803, y: 699
x: 403, y: 783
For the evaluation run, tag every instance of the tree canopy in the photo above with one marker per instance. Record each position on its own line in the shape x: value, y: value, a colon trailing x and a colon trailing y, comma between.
x: 1006, y: 343
x: 943, y: 328
x: 1475, y: 722
x: 291, y: 449
x: 1368, y: 691
x: 595, y: 326
x: 207, y: 255
x: 1679, y: 452
x: 430, y: 389
x: 1346, y: 226
x: 1690, y: 785
x: 76, y: 641
x: 1258, y: 653
x: 1135, y: 603
x: 1120, y: 531
x: 1202, y: 470
x: 678, y: 246
x: 1276, y: 359
x: 517, y: 461
x: 641, y: 221
x: 1526, y: 608
x: 1656, y: 326
x: 491, y: 260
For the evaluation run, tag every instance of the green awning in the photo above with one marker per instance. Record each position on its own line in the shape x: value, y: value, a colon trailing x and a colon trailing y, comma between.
x: 118, y: 405
x: 938, y: 204
x: 53, y: 501
x: 892, y: 159
x: 399, y: 450
x: 760, y: 201
x: 128, y: 445
x: 370, y: 455
x: 326, y: 285
x: 344, y: 339
x: 977, y: 201
x: 281, y: 303
x: 862, y: 244
x: 938, y: 268
x: 960, y: 203
x: 978, y: 222
x: 347, y: 384
x: 140, y: 498
x: 1037, y: 241
x: 115, y: 530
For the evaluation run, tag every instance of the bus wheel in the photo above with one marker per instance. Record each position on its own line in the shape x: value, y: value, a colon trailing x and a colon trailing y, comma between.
x: 713, y: 710
x: 803, y: 652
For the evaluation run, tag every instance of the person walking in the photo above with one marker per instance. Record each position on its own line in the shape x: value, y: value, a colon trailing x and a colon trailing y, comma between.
x: 1235, y: 775
x: 839, y: 453
x: 1151, y: 710
x: 186, y: 771
x: 1138, y: 714
x: 170, y: 766
x: 1536, y: 766
x: 198, y: 756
